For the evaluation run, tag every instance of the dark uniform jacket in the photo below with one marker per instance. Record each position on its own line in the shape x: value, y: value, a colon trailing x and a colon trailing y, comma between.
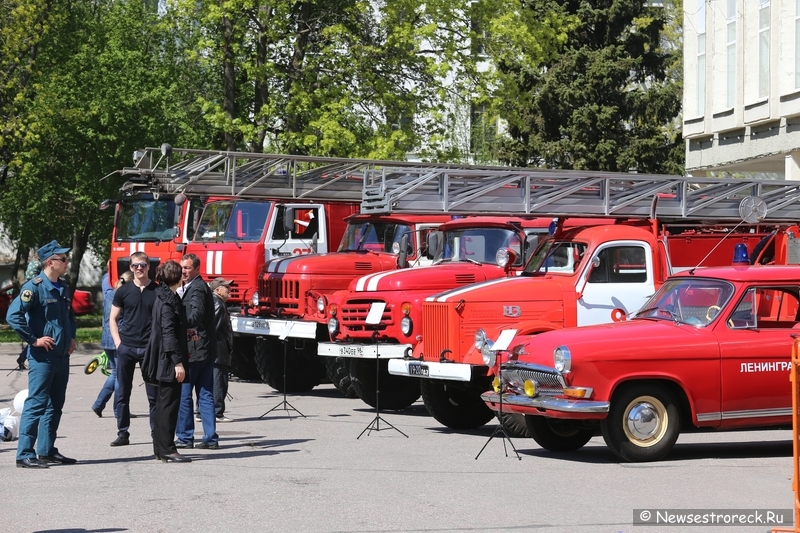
x: 198, y: 304
x: 167, y: 345
x: 42, y: 310
x: 222, y: 321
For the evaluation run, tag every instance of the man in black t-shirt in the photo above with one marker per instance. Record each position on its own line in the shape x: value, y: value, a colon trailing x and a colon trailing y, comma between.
x: 134, y: 300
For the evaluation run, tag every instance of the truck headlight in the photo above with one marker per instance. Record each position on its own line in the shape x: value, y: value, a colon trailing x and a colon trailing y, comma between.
x: 489, y: 355
x: 562, y: 359
x: 480, y: 339
x: 254, y: 299
x: 321, y: 304
x: 333, y: 326
x: 405, y: 326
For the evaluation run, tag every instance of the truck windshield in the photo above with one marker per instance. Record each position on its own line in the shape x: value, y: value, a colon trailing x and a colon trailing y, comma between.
x: 689, y: 301
x: 228, y: 221
x: 373, y: 236
x: 556, y: 256
x: 479, y: 244
x: 142, y: 218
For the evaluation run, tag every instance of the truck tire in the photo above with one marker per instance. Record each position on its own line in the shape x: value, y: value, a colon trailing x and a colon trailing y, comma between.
x: 643, y: 423
x: 455, y: 406
x: 304, y: 370
x: 396, y: 392
x: 558, y: 435
x: 243, y: 364
x: 339, y: 374
x: 515, y: 425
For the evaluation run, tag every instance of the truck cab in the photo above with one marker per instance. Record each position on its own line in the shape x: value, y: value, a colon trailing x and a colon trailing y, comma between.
x: 578, y: 276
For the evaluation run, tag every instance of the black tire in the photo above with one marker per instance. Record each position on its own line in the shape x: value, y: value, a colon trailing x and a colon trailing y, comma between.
x: 243, y: 364
x: 396, y: 392
x: 515, y: 425
x: 304, y: 368
x: 643, y: 423
x: 558, y: 435
x: 339, y: 374
x: 454, y: 405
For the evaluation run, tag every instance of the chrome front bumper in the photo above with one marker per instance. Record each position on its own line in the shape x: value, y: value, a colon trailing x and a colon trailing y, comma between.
x: 547, y: 403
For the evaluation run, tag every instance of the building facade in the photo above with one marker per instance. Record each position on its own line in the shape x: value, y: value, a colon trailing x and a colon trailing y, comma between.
x: 741, y: 96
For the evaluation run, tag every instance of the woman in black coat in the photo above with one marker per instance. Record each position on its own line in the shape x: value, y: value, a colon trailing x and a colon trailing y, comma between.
x: 165, y: 361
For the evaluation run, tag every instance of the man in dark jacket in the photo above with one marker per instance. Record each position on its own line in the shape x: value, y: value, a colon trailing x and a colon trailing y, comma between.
x: 221, y: 290
x: 198, y: 305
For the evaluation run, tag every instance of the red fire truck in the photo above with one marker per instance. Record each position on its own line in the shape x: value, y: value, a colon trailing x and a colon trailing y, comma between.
x: 663, y: 224
x: 291, y: 303
x: 724, y: 338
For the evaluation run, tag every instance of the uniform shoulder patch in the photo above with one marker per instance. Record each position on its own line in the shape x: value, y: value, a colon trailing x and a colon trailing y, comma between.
x: 37, y: 280
x: 26, y: 295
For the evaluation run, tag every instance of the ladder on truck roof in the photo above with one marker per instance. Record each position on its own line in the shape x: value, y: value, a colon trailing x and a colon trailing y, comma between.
x: 253, y: 175
x: 540, y: 192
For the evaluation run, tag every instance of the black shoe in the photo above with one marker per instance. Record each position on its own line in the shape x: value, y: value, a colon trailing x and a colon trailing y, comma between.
x: 121, y: 441
x: 207, y: 446
x: 98, y: 412
x: 57, y: 458
x: 31, y: 462
x: 174, y: 458
x: 179, y: 444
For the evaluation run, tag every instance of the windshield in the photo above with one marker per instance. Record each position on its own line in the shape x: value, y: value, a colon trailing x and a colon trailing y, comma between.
x: 146, y: 219
x: 228, y: 221
x: 556, y: 256
x: 479, y: 244
x: 374, y: 236
x: 689, y: 301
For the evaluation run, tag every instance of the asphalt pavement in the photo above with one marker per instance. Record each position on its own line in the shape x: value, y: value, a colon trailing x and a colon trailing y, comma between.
x: 287, y: 473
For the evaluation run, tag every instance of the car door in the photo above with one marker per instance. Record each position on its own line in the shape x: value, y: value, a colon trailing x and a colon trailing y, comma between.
x: 755, y: 348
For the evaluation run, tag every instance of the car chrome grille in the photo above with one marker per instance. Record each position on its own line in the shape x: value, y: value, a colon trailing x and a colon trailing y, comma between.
x: 548, y: 382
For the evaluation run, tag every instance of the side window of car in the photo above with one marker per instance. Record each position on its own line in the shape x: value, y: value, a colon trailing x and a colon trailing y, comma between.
x: 767, y: 308
x: 620, y: 264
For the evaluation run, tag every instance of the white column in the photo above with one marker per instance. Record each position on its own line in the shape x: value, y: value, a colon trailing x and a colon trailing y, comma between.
x: 793, y: 166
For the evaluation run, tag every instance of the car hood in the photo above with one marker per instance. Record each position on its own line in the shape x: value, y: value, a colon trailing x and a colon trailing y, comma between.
x: 428, y: 278
x: 333, y: 263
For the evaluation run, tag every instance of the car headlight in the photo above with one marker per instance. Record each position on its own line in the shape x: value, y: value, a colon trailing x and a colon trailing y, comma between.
x: 333, y: 326
x: 501, y: 257
x: 321, y: 304
x: 405, y: 326
x: 480, y: 339
x: 254, y: 299
x: 489, y: 355
x: 562, y: 359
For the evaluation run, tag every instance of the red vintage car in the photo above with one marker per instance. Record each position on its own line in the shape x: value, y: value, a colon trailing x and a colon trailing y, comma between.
x: 82, y: 303
x: 710, y: 350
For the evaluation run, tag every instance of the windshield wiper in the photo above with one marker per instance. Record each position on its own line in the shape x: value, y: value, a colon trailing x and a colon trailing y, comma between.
x: 675, y: 317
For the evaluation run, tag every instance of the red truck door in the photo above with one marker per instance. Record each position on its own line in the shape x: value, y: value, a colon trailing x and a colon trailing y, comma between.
x: 755, y: 346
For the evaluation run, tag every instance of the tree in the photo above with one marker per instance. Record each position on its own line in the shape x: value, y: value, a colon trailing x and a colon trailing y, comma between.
x: 605, y: 101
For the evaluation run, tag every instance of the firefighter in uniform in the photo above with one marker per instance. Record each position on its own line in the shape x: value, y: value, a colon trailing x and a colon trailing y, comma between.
x: 42, y: 315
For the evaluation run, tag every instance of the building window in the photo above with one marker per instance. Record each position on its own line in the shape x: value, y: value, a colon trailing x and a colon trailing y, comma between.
x: 730, y: 49
x: 701, y: 57
x: 763, y: 48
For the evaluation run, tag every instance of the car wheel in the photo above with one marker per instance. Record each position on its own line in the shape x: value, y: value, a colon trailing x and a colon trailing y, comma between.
x: 558, y: 435
x: 643, y: 423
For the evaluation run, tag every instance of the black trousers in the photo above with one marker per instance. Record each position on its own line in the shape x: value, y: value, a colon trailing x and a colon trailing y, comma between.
x: 127, y: 357
x: 165, y: 417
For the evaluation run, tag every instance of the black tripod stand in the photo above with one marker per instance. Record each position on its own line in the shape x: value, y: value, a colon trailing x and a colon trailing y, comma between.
x: 501, y: 428
x: 375, y: 425
x: 285, y: 405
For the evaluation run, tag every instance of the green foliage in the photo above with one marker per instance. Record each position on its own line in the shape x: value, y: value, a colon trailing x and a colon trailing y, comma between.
x: 603, y: 100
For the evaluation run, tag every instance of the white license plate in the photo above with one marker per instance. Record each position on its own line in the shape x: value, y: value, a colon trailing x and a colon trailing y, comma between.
x: 351, y: 351
x: 418, y: 369
x: 260, y: 324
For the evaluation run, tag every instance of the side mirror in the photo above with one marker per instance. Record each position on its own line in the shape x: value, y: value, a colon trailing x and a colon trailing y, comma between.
x: 105, y: 204
x: 314, y: 239
x: 595, y: 261
x: 402, y: 256
x: 288, y: 220
x: 176, y: 233
x: 433, y: 245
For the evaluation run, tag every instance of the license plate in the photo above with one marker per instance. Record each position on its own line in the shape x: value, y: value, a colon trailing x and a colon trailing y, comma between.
x: 259, y: 324
x: 418, y: 369
x: 351, y: 351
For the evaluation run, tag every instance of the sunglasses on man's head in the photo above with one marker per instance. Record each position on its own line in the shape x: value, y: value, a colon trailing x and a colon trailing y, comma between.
x: 138, y: 265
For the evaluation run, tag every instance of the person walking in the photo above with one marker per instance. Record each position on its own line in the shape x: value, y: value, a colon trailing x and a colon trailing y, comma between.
x: 42, y: 315
x: 165, y: 361
x: 198, y: 306
x: 107, y: 341
x: 221, y: 291
x: 135, y: 301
